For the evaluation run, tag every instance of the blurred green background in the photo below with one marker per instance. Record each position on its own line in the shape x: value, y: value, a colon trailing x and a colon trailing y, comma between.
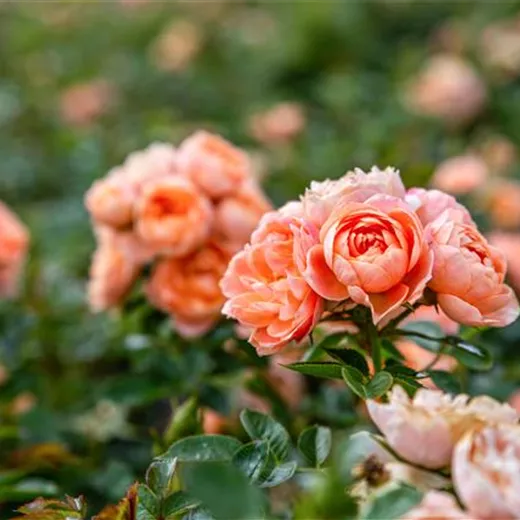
x: 84, y: 84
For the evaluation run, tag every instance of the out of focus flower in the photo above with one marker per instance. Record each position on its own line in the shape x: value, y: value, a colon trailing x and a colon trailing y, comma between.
x: 499, y: 154
x: 514, y: 401
x: 425, y: 429
x: 509, y: 244
x: 486, y: 471
x: 14, y: 241
x: 237, y: 216
x: 105, y: 421
x: 288, y: 383
x: 112, y: 273
x: 502, y: 200
x: 449, y: 37
x: 213, y: 422
x: 173, y: 216
x: 188, y: 288
x: 23, y: 403
x: 83, y: 103
x: 280, y: 124
x: 176, y: 47
x: 436, y: 505
x: 460, y: 175
x: 500, y: 47
x: 213, y: 164
x: 447, y: 88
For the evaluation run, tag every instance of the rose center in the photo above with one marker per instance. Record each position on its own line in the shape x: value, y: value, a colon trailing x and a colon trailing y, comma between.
x: 164, y: 206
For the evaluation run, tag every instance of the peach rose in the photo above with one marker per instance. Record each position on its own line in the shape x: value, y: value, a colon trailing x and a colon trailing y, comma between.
x: 425, y: 429
x: 499, y: 153
x: 355, y: 186
x: 376, y: 252
x: 111, y: 202
x: 486, y: 471
x: 82, y: 103
x: 216, y: 166
x: 112, y: 274
x: 468, y: 274
x: 429, y: 204
x: 436, y: 505
x: 172, y: 215
x: 503, y: 204
x: 14, y: 242
x: 213, y: 422
x: 187, y: 288
x: 266, y: 291
x: 280, y: 124
x: 514, y: 400
x: 500, y: 46
x: 236, y: 217
x: 460, y: 175
x: 509, y: 244
x: 447, y: 88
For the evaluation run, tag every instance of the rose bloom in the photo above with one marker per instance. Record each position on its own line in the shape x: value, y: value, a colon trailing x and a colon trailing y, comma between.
x: 112, y: 274
x: 82, y: 103
x: 514, y: 400
x: 176, y: 47
x: 173, y: 215
x: 468, y: 274
x: 499, y: 153
x: 216, y: 166
x: 503, y: 201
x: 500, y: 47
x: 447, y: 88
x: 265, y: 289
x: 236, y: 217
x: 509, y: 244
x: 436, y: 505
x: 14, y: 242
x: 425, y: 429
x: 460, y: 175
x: 188, y: 289
x: 486, y: 471
x: 278, y: 125
x: 429, y: 204
x: 373, y: 253
x: 213, y: 422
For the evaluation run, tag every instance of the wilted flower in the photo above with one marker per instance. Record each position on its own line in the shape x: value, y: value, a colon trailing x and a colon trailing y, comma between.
x: 279, y: 124
x: 425, y: 429
x: 486, y: 471
x: 447, y: 88
x: 460, y: 175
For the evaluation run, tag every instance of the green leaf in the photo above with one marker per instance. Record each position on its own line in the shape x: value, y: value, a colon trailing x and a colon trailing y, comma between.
x: 392, y: 503
x: 262, y: 427
x: 125, y: 510
x: 160, y: 474
x: 315, y: 443
x: 185, y: 421
x: 333, y: 341
x: 148, y: 506
x: 472, y: 356
x: 409, y: 384
x: 391, y: 349
x: 201, y: 448
x: 224, y: 491
x: 280, y: 474
x: 28, y: 489
x: 41, y: 509
x: 252, y: 458
x: 350, y: 357
x: 428, y: 328
x: 379, y: 385
x: 324, y: 369
x: 445, y: 381
x: 355, y: 381
x: 178, y: 503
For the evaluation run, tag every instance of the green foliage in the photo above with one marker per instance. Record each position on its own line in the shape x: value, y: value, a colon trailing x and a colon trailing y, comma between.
x: 392, y: 503
x: 315, y: 444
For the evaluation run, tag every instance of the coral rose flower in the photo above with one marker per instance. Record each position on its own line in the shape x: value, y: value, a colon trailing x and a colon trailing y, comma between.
x: 486, y: 471
x: 468, y: 274
x: 188, y: 288
x: 14, y: 241
x: 265, y: 289
x: 503, y: 204
x: 509, y: 244
x: 460, y: 175
x: 111, y: 202
x: 280, y: 124
x: 112, y: 273
x: 236, y: 217
x: 376, y: 251
x: 173, y: 215
x: 216, y: 166
x: 436, y: 505
x: 424, y: 430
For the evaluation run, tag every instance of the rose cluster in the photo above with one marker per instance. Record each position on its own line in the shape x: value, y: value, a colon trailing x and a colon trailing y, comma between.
x: 186, y: 211
x: 364, y: 240
x: 14, y: 241
x: 477, y: 441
